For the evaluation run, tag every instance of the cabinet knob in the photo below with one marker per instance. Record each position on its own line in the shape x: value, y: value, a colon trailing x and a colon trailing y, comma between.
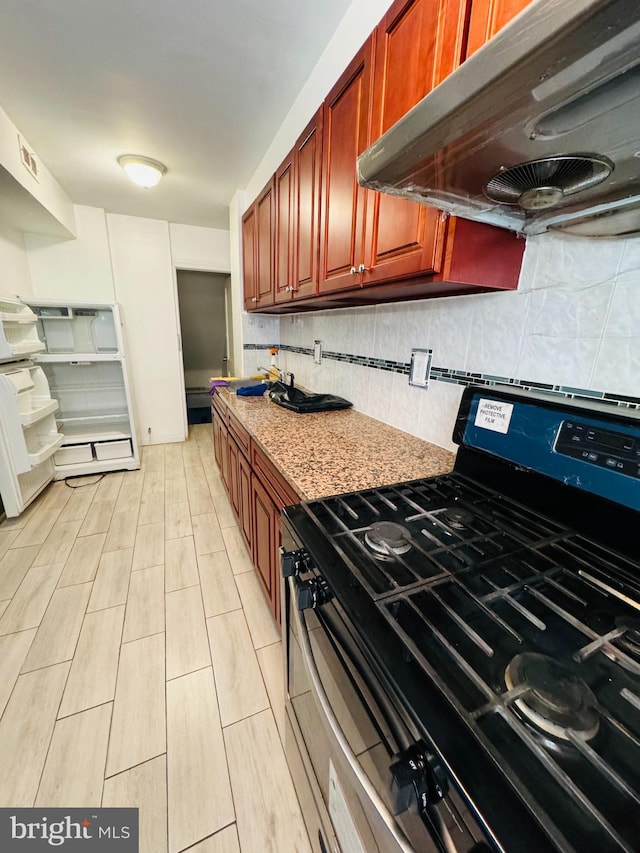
x: 287, y: 289
x: 362, y: 268
x: 254, y: 298
x: 353, y: 271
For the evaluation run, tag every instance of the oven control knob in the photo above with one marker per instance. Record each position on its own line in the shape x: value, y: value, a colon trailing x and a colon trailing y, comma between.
x: 291, y: 562
x: 417, y: 779
x: 312, y: 594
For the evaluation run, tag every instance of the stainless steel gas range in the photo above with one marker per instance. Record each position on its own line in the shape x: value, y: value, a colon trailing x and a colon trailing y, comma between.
x: 463, y: 652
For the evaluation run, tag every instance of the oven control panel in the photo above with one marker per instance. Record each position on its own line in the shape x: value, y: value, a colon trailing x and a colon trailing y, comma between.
x: 607, y: 448
x: 591, y: 446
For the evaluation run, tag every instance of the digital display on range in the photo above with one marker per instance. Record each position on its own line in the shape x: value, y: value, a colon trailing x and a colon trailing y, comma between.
x: 616, y: 451
x: 613, y: 440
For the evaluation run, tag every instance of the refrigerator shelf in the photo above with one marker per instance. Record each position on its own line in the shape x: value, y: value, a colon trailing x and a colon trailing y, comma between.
x: 81, y: 433
x: 37, y: 414
x: 46, y: 450
x: 75, y: 357
x: 72, y: 389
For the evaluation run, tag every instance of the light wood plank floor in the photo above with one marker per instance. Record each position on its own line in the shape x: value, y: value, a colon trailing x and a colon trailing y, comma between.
x: 139, y: 664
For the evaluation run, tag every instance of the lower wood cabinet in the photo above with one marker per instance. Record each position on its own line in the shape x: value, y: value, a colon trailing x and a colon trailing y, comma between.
x: 257, y: 493
x: 266, y: 532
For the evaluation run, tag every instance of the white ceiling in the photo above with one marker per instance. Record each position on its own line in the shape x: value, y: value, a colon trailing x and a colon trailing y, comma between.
x: 201, y: 85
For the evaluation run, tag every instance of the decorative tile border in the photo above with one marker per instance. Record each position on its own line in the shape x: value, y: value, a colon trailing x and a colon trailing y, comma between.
x: 464, y: 377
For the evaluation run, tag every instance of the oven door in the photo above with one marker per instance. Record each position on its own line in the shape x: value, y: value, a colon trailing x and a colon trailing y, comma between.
x: 352, y: 737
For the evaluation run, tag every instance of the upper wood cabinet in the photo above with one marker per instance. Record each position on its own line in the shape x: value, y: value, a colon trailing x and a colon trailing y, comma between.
x: 344, y: 245
x: 417, y: 44
x: 347, y: 111
x: 297, y: 205
x: 488, y: 17
x: 284, y: 229
x: 265, y: 245
x: 249, y: 258
x: 308, y: 170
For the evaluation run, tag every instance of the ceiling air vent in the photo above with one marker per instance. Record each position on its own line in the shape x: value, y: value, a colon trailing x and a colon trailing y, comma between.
x: 544, y: 183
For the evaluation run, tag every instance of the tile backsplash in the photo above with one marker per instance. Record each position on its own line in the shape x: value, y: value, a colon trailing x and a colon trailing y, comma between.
x: 573, y: 324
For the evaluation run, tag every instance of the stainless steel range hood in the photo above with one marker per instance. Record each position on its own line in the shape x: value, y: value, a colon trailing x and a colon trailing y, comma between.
x: 539, y: 130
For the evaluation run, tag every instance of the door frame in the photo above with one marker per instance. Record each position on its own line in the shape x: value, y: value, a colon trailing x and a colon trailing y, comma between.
x: 187, y: 267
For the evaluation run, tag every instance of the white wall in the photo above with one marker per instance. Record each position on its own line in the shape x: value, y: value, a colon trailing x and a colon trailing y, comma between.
x: 574, y: 322
x: 132, y: 261
x: 359, y: 21
x: 236, y: 208
x: 49, y: 197
x: 15, y: 278
x: 204, y: 249
x: 144, y: 286
x: 77, y: 269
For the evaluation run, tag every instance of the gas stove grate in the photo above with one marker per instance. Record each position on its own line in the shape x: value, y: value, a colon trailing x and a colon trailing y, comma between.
x: 569, y: 600
x: 428, y: 510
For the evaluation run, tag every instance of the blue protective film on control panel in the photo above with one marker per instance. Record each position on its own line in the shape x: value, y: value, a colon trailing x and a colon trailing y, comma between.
x: 530, y: 437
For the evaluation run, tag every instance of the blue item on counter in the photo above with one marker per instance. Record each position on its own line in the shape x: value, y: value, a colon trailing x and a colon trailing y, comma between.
x: 252, y: 390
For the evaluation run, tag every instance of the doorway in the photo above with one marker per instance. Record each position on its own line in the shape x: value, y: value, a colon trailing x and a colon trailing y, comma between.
x: 203, y: 304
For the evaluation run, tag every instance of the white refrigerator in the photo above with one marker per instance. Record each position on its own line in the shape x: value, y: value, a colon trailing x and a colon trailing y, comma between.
x: 67, y: 411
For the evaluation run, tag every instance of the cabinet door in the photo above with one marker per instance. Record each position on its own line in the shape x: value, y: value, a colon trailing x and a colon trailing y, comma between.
x: 284, y: 230
x: 488, y: 17
x: 418, y: 42
x: 265, y: 255
x: 234, y: 493
x: 217, y: 438
x: 265, y: 515
x: 249, y: 258
x: 244, y: 500
x: 346, y: 125
x: 308, y: 170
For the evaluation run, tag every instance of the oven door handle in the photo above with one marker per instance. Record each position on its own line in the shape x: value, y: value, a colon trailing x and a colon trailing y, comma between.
x: 334, y: 725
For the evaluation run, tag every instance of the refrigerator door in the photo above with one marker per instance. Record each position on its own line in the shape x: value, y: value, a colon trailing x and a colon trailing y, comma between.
x: 28, y: 434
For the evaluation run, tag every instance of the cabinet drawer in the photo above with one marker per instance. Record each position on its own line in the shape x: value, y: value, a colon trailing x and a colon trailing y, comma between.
x: 221, y: 408
x: 240, y: 434
x: 280, y: 491
x: 113, y: 449
x: 73, y: 454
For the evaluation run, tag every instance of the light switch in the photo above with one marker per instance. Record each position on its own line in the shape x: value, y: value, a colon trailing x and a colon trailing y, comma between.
x: 317, y: 352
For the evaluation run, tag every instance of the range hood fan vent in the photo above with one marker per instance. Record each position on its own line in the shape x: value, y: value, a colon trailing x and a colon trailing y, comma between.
x: 540, y: 184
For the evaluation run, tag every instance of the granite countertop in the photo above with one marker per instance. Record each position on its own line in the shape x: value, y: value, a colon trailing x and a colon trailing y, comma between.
x: 326, y: 453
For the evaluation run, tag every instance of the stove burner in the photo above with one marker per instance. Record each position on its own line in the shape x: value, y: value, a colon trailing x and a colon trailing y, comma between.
x: 629, y: 642
x: 557, y: 700
x: 457, y: 517
x: 387, y: 538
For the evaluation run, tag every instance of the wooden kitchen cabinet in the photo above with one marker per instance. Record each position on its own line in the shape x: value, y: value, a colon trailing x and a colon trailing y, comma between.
x: 284, y: 236
x: 220, y: 441
x: 417, y: 44
x: 257, y: 493
x: 244, y: 500
x: 258, y: 249
x: 265, y: 245
x: 266, y: 526
x: 347, y: 111
x: 488, y: 17
x: 308, y: 171
x: 249, y: 258
x: 372, y: 247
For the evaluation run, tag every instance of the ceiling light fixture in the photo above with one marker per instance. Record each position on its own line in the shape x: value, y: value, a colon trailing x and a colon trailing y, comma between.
x: 142, y: 170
